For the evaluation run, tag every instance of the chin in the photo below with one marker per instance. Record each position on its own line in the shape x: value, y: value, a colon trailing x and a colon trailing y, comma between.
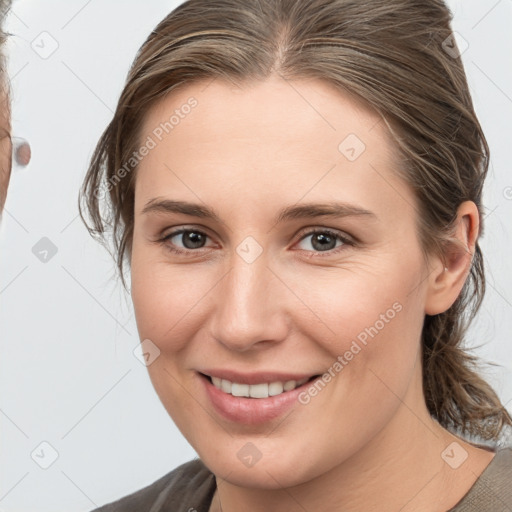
x: 270, y: 475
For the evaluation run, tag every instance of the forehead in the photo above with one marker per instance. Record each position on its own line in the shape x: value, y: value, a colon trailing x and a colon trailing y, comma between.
x: 287, y: 109
x: 273, y: 137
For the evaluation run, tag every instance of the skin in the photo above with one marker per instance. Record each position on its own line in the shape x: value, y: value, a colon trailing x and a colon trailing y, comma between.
x: 5, y: 146
x: 366, y: 441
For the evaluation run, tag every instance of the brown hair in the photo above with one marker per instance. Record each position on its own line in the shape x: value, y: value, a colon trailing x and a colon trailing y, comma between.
x: 398, y: 56
x: 5, y: 6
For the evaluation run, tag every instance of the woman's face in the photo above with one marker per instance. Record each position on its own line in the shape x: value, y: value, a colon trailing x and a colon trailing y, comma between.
x: 272, y: 284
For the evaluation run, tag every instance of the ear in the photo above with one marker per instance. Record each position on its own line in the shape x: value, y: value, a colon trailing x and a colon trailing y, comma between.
x: 447, y: 277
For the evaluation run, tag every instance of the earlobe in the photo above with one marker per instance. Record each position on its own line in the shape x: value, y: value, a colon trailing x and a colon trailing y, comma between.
x: 448, y: 275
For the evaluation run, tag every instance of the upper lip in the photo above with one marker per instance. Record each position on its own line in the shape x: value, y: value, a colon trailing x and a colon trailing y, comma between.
x: 256, y: 377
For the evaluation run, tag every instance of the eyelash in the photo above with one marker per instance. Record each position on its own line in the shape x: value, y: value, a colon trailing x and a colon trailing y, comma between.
x: 189, y: 252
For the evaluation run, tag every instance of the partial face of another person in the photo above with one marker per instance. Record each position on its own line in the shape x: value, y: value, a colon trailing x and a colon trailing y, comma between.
x: 254, y: 290
x: 5, y: 146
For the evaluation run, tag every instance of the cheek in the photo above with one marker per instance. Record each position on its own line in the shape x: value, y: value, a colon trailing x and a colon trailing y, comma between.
x: 367, y: 323
x: 358, y: 304
x: 167, y: 300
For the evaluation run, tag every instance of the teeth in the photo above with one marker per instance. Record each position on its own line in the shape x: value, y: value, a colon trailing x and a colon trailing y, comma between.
x: 240, y: 389
x: 275, y: 388
x: 256, y: 390
x: 288, y: 386
x: 225, y: 386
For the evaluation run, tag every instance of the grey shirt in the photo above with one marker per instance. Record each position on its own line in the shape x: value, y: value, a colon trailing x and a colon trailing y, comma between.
x: 190, y: 488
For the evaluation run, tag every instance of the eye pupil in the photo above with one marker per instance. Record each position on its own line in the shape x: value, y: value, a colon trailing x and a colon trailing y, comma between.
x: 192, y: 239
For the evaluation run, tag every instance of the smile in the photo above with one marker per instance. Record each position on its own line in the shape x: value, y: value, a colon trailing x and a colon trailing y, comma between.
x: 263, y: 390
x: 253, y: 402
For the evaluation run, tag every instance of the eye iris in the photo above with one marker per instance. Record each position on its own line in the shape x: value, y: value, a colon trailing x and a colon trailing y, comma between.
x: 192, y: 240
x: 326, y: 241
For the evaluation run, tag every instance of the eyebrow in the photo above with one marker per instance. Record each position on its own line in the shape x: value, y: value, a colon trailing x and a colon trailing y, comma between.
x: 297, y: 211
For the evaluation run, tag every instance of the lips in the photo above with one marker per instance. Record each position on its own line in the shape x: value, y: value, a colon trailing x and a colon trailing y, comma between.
x: 250, y: 410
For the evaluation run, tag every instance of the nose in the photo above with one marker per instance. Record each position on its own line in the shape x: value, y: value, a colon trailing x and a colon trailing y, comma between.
x: 251, y: 310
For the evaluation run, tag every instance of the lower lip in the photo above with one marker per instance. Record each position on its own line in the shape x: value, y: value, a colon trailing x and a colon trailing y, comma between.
x: 250, y: 411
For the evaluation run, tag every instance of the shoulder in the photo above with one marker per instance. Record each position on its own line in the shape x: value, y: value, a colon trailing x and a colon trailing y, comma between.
x: 492, y: 491
x: 190, y: 485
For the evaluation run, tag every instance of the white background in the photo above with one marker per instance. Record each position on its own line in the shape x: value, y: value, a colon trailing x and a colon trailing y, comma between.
x: 68, y: 375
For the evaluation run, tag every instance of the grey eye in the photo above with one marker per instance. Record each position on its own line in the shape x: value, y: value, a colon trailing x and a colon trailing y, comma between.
x: 320, y: 241
x: 190, y: 239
